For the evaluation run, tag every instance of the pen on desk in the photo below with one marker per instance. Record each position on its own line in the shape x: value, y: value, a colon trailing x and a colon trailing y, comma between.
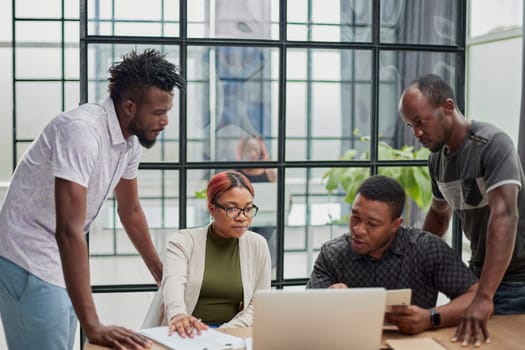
x: 222, y: 347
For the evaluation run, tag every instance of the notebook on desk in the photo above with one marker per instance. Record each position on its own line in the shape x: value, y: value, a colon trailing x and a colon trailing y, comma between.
x: 318, y: 319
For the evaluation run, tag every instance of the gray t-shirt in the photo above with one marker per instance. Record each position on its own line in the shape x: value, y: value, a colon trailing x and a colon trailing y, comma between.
x: 85, y: 146
x: 486, y: 160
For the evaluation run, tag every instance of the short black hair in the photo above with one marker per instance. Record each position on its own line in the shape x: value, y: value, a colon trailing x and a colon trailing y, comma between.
x: 384, y: 189
x: 434, y: 88
x: 137, y: 72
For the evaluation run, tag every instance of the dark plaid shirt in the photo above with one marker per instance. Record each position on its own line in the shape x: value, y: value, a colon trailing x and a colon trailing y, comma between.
x: 416, y: 259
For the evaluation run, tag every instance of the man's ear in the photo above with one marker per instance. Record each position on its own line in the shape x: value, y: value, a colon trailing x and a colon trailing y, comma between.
x: 129, y: 106
x: 449, y: 105
x: 396, y: 223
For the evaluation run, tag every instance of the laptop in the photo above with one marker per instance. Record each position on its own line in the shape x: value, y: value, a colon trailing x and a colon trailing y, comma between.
x: 315, y: 319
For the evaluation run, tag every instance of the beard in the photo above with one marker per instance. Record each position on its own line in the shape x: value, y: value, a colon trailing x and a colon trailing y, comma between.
x: 142, y: 136
x: 144, y: 141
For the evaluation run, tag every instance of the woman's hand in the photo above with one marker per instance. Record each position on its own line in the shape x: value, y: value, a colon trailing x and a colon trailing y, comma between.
x: 184, y: 325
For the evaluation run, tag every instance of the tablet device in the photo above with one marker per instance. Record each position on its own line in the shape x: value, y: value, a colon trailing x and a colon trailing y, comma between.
x: 398, y: 297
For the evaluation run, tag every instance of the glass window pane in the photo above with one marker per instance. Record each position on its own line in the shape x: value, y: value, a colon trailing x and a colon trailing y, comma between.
x: 37, y: 103
x: 6, y: 114
x: 196, y: 207
x: 71, y: 34
x: 39, y: 63
x: 71, y: 9
x: 131, y: 17
x: 328, y: 102
x: 137, y: 28
x: 231, y: 92
x: 36, y: 33
x: 35, y: 9
x: 502, y: 83
x: 248, y: 19
x: 159, y: 198
x: 426, y: 22
x: 330, y: 20
x: 487, y: 16
x: 6, y: 15
x: 71, y: 95
x: 313, y: 216
x: 72, y: 63
x: 397, y: 69
x: 123, y: 309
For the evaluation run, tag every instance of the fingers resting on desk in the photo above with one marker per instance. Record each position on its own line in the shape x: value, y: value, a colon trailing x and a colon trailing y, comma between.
x: 471, y: 332
x: 117, y: 337
x: 185, y: 325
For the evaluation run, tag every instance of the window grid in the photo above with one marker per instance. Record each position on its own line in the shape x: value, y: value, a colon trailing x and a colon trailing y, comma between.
x: 282, y: 45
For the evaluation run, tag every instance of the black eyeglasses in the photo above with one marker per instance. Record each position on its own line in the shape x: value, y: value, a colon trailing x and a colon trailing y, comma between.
x: 233, y: 212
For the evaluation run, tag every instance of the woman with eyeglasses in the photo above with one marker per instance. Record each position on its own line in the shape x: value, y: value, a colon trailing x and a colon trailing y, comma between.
x: 211, y: 273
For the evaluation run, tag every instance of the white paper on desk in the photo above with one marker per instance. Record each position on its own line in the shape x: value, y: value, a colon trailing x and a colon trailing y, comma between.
x: 209, y: 339
x: 248, y: 343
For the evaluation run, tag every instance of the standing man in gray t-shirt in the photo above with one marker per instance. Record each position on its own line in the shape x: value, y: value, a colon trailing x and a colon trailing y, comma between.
x: 58, y: 188
x: 476, y: 173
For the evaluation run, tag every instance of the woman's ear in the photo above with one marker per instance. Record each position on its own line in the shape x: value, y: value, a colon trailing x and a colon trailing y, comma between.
x: 211, y: 209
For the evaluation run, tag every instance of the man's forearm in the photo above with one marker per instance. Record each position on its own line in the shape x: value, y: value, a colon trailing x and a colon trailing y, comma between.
x: 75, y: 265
x: 451, y: 312
x: 498, y: 253
x: 500, y: 241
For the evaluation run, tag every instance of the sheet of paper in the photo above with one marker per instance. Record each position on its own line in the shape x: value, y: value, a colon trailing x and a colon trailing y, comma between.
x: 415, y: 344
x: 208, y: 340
x: 248, y: 343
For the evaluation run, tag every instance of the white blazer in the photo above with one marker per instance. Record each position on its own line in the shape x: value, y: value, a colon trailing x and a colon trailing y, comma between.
x: 184, y: 270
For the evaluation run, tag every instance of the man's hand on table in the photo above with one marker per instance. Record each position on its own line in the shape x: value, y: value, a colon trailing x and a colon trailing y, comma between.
x: 473, y: 323
x: 116, y: 337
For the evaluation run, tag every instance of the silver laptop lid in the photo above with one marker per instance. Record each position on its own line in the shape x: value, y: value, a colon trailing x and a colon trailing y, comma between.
x: 318, y: 319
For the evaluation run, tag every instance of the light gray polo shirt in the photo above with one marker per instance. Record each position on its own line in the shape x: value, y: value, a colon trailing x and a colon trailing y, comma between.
x: 85, y: 146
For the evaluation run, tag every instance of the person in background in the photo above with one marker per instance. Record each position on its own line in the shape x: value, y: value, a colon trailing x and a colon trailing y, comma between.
x: 380, y: 252
x: 211, y: 273
x: 252, y: 148
x: 476, y: 173
x: 57, y: 190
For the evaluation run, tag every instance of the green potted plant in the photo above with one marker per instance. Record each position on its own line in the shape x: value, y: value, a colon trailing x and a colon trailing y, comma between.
x: 414, y: 179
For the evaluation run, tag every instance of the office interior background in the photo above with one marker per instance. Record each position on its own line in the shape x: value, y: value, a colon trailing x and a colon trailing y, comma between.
x: 315, y: 79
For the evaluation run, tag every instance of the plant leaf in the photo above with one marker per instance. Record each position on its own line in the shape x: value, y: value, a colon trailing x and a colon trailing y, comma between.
x: 333, y: 178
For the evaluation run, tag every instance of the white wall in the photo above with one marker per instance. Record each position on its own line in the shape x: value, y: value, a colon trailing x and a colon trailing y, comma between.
x: 493, y: 91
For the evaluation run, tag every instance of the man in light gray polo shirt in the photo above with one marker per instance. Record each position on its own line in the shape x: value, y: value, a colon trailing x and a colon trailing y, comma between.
x: 57, y: 190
